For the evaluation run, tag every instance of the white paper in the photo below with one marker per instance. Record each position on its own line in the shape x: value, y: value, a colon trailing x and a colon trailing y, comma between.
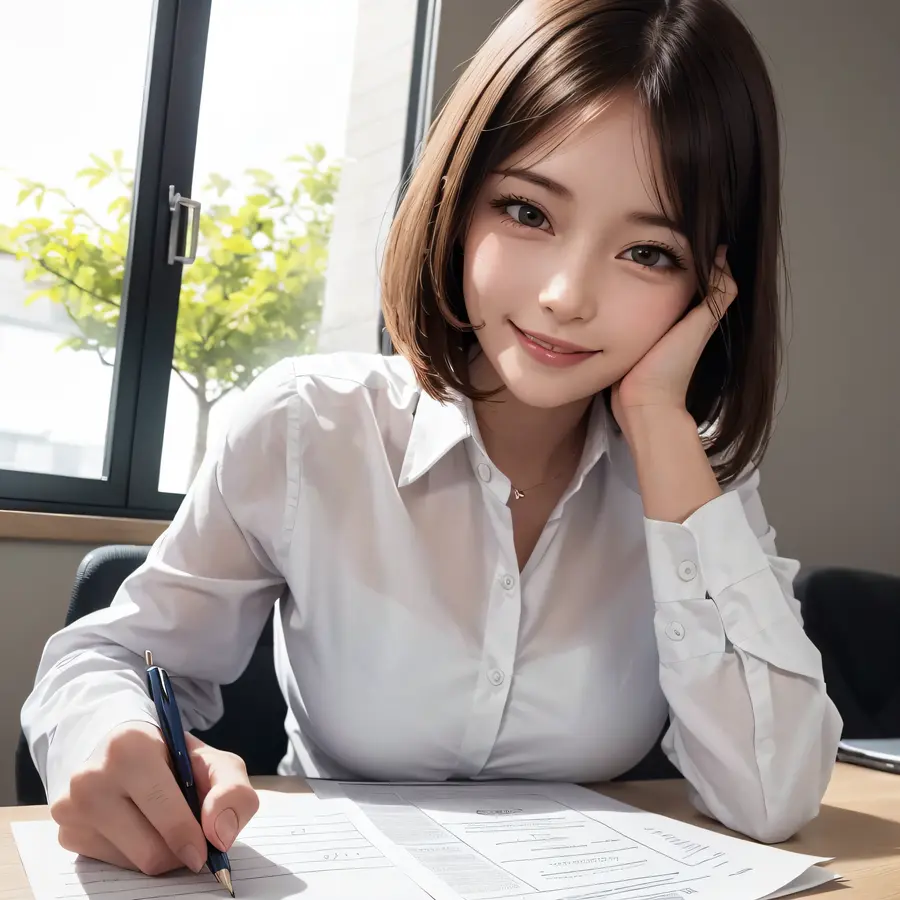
x: 296, y: 846
x: 561, y: 842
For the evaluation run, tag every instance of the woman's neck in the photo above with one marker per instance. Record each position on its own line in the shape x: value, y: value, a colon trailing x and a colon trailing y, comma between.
x: 530, y: 444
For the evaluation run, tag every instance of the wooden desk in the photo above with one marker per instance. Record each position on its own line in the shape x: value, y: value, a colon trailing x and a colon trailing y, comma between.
x: 859, y: 826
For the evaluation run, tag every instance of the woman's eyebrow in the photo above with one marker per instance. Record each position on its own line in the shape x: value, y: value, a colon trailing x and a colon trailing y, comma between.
x: 536, y: 178
x: 654, y: 218
x: 657, y: 219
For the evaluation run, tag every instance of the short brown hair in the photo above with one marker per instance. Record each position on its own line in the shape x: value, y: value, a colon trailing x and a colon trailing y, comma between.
x: 701, y: 78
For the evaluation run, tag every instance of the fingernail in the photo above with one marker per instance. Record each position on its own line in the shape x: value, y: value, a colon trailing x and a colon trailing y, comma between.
x: 227, y: 827
x: 191, y: 857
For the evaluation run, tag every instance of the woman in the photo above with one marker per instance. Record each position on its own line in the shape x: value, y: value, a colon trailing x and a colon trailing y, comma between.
x: 519, y: 546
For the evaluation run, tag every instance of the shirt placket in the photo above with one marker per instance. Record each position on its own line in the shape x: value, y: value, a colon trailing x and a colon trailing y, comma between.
x: 501, y: 628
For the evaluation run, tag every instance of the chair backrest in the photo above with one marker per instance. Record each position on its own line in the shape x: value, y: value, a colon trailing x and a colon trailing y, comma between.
x: 853, y: 617
x: 253, y: 722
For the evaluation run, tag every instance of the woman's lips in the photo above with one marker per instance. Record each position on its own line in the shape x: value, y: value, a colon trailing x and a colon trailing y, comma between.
x: 550, y: 352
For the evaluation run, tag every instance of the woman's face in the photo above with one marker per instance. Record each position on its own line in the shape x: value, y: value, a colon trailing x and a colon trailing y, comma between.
x: 570, y: 267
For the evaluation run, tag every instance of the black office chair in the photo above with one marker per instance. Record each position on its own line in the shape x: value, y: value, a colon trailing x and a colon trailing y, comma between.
x: 853, y: 617
x: 253, y: 722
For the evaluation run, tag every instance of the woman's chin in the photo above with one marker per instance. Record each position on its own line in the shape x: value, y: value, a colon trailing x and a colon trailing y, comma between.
x: 546, y: 393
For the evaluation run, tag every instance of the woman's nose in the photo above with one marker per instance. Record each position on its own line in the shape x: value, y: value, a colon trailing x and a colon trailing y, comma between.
x: 569, y: 295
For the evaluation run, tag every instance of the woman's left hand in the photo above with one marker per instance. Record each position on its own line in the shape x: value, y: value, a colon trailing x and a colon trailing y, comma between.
x: 661, y: 377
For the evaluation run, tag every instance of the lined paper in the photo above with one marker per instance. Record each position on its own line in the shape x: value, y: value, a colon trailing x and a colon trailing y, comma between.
x: 297, y: 845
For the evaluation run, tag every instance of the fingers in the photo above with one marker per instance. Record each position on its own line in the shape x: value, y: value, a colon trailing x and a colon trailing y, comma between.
x: 120, y: 822
x: 162, y: 810
x: 90, y: 843
x: 229, y: 801
x: 124, y: 805
x: 703, y: 320
x: 141, y: 767
x: 722, y: 287
x: 128, y: 796
x: 117, y: 831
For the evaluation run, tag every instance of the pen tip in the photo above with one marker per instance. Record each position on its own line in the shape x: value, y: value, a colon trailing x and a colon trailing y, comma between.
x: 223, y: 876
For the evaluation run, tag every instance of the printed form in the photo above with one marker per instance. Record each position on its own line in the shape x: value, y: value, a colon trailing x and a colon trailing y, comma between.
x: 519, y: 841
x: 296, y: 846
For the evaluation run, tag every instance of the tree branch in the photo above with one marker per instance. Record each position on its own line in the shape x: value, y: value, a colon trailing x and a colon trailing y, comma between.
x: 224, y: 393
x: 75, y: 284
x: 95, y: 345
x: 84, y: 212
x: 194, y: 389
x: 105, y: 362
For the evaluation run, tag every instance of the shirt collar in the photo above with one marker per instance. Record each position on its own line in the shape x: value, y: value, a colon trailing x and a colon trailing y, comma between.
x: 438, y: 427
x: 596, y: 443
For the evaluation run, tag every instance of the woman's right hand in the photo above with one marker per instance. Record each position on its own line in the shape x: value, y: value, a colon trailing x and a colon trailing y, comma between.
x: 125, y: 807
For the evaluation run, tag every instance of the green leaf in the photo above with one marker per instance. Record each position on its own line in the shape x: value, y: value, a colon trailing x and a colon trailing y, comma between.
x: 261, y: 176
x: 25, y: 193
x: 101, y: 163
x: 218, y: 183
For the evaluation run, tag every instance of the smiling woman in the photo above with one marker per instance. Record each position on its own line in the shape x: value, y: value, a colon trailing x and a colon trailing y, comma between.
x: 508, y: 551
x: 627, y: 187
x: 589, y: 245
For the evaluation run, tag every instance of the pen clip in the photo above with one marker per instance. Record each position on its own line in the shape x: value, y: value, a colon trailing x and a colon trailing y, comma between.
x: 170, y: 721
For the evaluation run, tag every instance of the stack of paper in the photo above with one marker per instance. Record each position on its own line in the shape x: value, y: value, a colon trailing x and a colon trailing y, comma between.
x: 513, y: 841
x: 562, y: 842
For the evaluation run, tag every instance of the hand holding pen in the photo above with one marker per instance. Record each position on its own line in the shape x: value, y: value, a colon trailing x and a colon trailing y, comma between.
x: 124, y: 806
x: 176, y: 740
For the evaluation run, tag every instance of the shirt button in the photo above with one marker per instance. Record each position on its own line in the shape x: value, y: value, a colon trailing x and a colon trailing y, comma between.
x: 508, y: 582
x: 484, y: 472
x: 687, y: 571
x: 675, y: 631
x: 495, y: 676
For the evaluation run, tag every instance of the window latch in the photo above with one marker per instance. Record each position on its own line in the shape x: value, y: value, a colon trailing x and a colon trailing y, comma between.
x: 178, y: 205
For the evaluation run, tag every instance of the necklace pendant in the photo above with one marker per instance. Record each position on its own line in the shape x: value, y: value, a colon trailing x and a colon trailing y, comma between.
x: 517, y: 494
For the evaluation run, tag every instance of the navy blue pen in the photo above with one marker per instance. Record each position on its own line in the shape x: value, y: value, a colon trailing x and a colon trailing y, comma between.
x: 173, y: 733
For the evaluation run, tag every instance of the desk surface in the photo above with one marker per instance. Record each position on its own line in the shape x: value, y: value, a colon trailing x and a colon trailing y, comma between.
x: 859, y: 826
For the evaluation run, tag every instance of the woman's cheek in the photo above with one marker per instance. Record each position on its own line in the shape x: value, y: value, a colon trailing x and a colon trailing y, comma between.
x: 500, y: 273
x: 641, y: 316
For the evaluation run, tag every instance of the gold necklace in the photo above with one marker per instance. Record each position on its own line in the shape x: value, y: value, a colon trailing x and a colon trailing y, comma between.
x: 519, y: 494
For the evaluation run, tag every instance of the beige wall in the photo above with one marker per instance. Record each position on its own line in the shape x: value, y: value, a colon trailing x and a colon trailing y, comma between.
x: 37, y: 579
x: 831, y: 480
x: 379, y: 97
x: 831, y: 484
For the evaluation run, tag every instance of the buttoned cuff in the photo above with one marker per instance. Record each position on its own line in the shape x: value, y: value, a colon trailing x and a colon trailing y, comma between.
x: 711, y: 550
x: 694, y: 568
x: 74, y: 740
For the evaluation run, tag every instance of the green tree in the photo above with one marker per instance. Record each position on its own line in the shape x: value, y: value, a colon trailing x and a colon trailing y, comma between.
x: 253, y: 296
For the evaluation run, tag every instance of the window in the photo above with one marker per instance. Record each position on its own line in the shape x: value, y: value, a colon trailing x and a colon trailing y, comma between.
x: 61, y: 293
x: 174, y: 221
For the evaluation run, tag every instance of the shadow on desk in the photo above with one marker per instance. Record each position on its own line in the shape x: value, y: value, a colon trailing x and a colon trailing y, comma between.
x: 838, y: 831
x: 847, y: 835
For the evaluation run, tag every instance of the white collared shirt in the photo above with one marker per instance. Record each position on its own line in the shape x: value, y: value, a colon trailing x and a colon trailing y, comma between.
x: 409, y: 646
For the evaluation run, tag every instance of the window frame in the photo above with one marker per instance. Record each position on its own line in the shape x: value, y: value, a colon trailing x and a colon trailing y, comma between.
x: 178, y: 38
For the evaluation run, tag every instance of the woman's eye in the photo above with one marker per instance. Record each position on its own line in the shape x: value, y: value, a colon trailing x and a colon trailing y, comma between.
x: 649, y: 257
x: 526, y: 214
